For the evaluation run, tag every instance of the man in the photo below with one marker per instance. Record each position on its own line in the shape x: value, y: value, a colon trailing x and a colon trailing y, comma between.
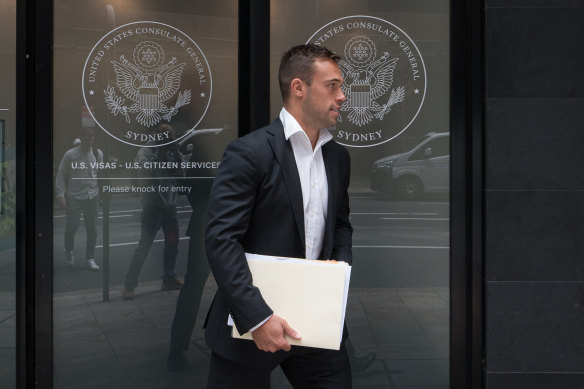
x: 158, y: 210
x: 77, y: 191
x: 281, y: 190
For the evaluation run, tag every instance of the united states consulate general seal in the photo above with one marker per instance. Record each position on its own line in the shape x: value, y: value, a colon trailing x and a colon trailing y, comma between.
x: 384, y: 78
x: 144, y: 73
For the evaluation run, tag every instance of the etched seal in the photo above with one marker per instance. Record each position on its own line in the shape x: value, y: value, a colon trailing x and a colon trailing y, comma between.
x: 384, y: 78
x: 144, y: 73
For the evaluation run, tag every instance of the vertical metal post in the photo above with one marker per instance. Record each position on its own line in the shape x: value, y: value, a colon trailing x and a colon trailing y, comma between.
x: 254, y: 65
x: 106, y: 199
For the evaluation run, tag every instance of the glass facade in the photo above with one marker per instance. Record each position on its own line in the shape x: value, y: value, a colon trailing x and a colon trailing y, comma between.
x: 7, y: 195
x: 395, y: 124
x: 145, y: 100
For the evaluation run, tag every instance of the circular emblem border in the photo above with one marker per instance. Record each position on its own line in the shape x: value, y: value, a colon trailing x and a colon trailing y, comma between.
x: 421, y: 59
x: 162, y: 24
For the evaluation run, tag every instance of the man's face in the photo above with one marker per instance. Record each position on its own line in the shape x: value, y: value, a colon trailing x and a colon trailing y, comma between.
x: 324, y: 96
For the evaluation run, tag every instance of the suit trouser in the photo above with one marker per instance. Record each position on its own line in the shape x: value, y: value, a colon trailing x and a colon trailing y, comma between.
x: 305, y: 368
x: 74, y: 210
x: 154, y: 218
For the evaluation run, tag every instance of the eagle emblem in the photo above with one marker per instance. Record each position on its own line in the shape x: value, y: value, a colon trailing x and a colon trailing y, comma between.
x: 367, y: 79
x: 148, y: 82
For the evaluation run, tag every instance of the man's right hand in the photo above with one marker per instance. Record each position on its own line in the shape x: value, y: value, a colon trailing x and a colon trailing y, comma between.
x: 270, y: 335
x: 61, y: 202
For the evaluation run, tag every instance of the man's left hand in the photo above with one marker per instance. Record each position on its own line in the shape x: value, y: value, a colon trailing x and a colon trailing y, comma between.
x: 270, y: 335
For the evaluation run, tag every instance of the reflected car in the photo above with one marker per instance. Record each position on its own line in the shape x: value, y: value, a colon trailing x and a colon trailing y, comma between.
x: 423, y: 170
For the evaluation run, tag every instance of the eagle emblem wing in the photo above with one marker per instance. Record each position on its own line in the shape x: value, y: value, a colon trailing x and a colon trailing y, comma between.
x: 170, y: 79
x: 381, y: 74
x: 125, y: 78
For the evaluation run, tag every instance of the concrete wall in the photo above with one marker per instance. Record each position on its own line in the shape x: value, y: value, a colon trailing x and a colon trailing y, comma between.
x: 534, y: 159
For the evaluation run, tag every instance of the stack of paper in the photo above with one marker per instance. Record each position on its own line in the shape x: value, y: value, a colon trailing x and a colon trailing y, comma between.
x: 310, y: 295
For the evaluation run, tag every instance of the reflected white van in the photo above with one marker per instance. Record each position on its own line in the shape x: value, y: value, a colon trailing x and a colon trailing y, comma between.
x: 424, y: 169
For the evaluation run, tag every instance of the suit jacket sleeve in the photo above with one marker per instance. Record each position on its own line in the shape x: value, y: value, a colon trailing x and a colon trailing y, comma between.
x: 230, y: 209
x: 342, y: 246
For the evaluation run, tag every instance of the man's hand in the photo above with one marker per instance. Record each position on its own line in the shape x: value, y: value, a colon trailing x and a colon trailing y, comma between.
x: 61, y: 202
x: 270, y: 335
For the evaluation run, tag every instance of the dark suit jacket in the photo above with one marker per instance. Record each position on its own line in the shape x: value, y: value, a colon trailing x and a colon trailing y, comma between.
x: 256, y: 206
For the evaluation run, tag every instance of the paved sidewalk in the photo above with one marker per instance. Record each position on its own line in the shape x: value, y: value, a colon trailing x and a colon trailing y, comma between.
x: 123, y: 344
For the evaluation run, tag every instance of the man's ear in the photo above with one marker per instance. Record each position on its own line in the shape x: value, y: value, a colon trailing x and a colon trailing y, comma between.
x: 297, y: 88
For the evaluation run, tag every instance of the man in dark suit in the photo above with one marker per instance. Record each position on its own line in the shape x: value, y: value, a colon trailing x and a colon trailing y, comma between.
x: 282, y: 191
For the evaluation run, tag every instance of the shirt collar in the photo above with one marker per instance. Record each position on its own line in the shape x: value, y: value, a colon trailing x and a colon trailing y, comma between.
x: 292, y: 127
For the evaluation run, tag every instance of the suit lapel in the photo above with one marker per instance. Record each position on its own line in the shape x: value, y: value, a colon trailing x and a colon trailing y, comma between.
x: 285, y: 156
x: 331, y: 177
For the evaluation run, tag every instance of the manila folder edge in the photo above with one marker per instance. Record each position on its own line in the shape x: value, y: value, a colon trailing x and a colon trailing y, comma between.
x: 309, y: 295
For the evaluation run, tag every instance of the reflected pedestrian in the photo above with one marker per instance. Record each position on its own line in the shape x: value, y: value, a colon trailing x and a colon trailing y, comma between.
x: 77, y: 191
x: 205, y: 149
x: 158, y: 208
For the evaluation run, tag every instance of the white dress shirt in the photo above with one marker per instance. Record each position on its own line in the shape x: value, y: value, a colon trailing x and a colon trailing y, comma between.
x: 312, y: 180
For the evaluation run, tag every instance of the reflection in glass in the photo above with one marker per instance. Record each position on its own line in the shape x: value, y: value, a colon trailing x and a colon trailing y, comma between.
x: 398, y: 309
x: 77, y: 191
x: 156, y: 83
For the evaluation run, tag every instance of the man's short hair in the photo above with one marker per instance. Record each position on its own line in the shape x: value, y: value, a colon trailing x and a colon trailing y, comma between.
x: 297, y: 63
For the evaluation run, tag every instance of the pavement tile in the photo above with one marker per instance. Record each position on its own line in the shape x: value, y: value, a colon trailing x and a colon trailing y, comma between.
x: 355, y: 314
x: 161, y: 319
x: 7, y: 301
x: 419, y: 387
x: 410, y: 349
x: 8, y: 267
x: 361, y: 337
x: 63, y: 300
x: 72, y: 318
x: 376, y: 376
x: 431, y: 316
x: 379, y: 297
x: 115, y: 316
x: 157, y: 299
x: 390, y: 315
x: 135, y: 338
x: 96, y: 370
x: 404, y: 342
x: 7, y: 318
x: 428, y: 299
x: 7, y: 337
x: 68, y: 351
x: 75, y: 332
x: 440, y: 337
x: 419, y: 372
x: 171, y: 381
x: 7, y: 368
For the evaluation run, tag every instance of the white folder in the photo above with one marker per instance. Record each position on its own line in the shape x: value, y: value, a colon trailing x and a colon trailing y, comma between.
x: 310, y: 295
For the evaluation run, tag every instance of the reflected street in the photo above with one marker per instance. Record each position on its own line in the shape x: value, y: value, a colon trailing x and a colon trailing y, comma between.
x: 395, y: 244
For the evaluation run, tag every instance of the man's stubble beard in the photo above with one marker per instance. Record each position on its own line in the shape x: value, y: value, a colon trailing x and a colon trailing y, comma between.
x: 315, y: 118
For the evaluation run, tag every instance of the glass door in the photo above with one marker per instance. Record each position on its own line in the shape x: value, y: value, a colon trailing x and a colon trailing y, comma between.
x: 145, y: 100
x: 395, y: 124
